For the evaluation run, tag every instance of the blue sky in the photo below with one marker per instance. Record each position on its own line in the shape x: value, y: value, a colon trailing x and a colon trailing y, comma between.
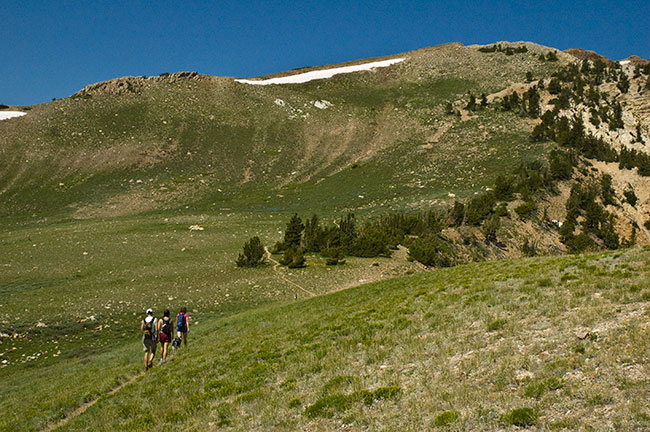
x: 50, y: 49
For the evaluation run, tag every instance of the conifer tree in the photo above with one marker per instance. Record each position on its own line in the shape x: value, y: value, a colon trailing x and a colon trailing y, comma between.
x: 471, y: 105
x: 313, y: 237
x: 616, y: 121
x: 638, y: 136
x: 623, y: 83
x: 347, y: 231
x: 293, y: 233
x: 253, y: 254
x: 554, y: 87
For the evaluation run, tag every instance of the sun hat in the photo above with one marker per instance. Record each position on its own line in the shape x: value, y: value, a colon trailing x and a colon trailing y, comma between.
x: 149, y: 310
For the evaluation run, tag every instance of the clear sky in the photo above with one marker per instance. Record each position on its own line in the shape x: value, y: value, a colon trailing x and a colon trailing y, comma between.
x: 52, y: 48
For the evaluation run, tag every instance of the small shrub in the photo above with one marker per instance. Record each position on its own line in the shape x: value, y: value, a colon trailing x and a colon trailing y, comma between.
x: 328, y: 406
x: 529, y: 249
x: 546, y: 282
x: 526, y: 209
x: 298, y: 260
x: 630, y: 196
x: 538, y: 388
x: 446, y: 418
x: 293, y: 258
x: 580, y: 243
x: 496, y: 325
x: 646, y: 224
x: 389, y: 392
x: 295, y: 403
x: 490, y: 228
x: 334, y: 256
x: 431, y: 251
x: 522, y: 417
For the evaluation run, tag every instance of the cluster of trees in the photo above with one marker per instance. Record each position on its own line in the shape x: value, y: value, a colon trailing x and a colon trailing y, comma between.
x: 507, y: 50
x: 570, y: 133
x: 333, y: 242
x: 526, y: 105
x: 472, y: 104
x: 550, y: 56
x: 595, y: 219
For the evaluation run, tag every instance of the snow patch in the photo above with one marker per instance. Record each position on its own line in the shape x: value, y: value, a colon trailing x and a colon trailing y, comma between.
x: 4, y: 115
x: 623, y: 62
x: 321, y: 74
x: 279, y: 102
x: 322, y: 104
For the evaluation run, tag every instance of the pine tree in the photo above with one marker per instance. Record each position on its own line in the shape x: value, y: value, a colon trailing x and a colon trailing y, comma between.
x: 490, y: 228
x: 457, y: 213
x: 293, y: 233
x: 606, y: 190
x: 471, y: 105
x: 529, y: 76
x: 554, y: 87
x: 623, y: 83
x: 533, y: 98
x: 313, y: 238
x: 616, y: 121
x: 639, y: 137
x: 347, y: 231
x: 253, y: 254
x: 552, y: 56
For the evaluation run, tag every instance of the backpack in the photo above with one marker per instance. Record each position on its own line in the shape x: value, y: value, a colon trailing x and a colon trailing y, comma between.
x: 165, y: 327
x: 149, y: 331
x: 180, y: 321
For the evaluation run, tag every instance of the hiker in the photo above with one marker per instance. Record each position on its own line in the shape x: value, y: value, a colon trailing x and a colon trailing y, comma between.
x: 148, y: 329
x: 183, y: 325
x: 164, y: 334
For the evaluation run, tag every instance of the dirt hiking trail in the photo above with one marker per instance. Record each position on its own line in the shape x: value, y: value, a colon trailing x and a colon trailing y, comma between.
x: 276, y: 265
x: 87, y: 405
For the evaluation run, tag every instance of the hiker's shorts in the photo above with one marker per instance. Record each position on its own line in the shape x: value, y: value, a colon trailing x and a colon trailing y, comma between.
x: 149, y: 345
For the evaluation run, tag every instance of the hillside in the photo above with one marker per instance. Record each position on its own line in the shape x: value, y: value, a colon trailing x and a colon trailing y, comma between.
x: 139, y: 192
x: 136, y: 144
x: 565, y: 337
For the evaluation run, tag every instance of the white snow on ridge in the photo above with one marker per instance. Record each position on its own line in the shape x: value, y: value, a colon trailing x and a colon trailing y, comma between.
x: 623, y: 62
x: 4, y: 115
x: 321, y: 74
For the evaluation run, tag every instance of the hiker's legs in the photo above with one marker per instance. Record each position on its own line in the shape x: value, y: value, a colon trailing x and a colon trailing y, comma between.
x: 146, y: 359
x: 185, y: 338
x: 153, y: 351
x: 164, y: 350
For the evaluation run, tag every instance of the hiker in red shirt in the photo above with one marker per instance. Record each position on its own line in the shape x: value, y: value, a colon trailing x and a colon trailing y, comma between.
x: 164, y: 334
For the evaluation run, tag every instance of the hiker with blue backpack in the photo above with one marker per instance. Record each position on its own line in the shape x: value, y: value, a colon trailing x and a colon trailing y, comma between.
x: 149, y: 339
x: 182, y: 325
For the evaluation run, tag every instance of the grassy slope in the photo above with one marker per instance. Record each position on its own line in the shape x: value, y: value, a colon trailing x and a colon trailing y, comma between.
x: 61, y: 281
x: 481, y: 339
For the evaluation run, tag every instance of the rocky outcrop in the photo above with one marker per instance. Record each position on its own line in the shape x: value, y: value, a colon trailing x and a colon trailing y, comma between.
x: 134, y: 85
